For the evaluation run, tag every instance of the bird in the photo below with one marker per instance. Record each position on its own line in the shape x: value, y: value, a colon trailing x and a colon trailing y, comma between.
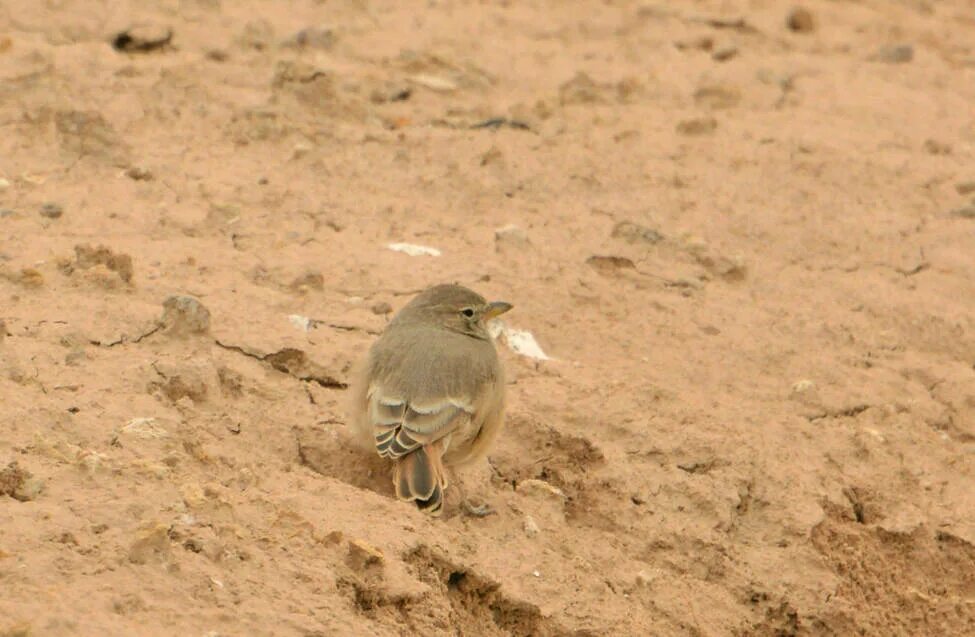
x: 430, y: 391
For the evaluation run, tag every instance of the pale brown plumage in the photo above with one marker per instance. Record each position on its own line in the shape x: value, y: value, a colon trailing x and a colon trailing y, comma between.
x: 431, y: 391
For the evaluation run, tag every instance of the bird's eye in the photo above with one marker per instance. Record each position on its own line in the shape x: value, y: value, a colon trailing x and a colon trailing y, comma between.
x: 468, y: 312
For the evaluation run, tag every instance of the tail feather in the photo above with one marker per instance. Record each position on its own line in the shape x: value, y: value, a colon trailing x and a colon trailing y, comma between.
x: 419, y: 476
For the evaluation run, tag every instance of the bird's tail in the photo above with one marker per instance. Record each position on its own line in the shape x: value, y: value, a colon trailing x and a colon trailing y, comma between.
x: 419, y: 476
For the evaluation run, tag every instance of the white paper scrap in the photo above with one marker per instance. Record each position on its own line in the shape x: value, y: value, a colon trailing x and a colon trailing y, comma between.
x: 414, y: 250
x: 519, y: 341
x: 299, y: 321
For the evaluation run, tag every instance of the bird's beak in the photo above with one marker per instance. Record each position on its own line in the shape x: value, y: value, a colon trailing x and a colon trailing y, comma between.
x: 497, y: 308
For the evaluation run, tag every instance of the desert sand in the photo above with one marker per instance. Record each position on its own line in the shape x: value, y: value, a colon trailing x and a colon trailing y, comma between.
x: 743, y: 235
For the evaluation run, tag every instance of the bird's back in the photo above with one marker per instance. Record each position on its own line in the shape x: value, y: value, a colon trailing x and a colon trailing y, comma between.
x: 421, y: 362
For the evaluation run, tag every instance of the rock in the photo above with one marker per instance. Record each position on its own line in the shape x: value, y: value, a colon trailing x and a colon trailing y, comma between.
x: 312, y: 38
x: 965, y: 187
x: 724, y: 53
x: 697, y: 126
x: 934, y: 147
x: 51, y: 210
x: 717, y: 96
x: 150, y: 545
x: 363, y: 554
x: 701, y: 43
x: 727, y: 268
x: 19, y: 483
x: 308, y: 281
x: 965, y: 212
x: 4, y: 184
x: 530, y: 526
x: 511, y: 238
x: 139, y: 173
x: 803, y: 386
x: 894, y: 54
x: 636, y: 233
x: 390, y: 92
x: 381, y: 308
x: 142, y: 39
x: 800, y: 20
x: 646, y: 578
x: 608, y: 265
x: 185, y: 315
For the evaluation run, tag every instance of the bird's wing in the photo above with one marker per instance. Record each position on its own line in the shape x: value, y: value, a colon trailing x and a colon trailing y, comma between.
x: 400, y: 425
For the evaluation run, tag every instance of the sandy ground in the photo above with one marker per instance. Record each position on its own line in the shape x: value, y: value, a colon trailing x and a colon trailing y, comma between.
x: 747, y: 248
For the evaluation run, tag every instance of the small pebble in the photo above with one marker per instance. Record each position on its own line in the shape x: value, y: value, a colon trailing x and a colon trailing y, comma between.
x: 531, y: 527
x: 895, y: 54
x: 645, y: 578
x: 142, y: 39
x: 724, y: 53
x: 697, y: 126
x: 965, y: 212
x: 381, y: 308
x: 51, y: 210
x: 185, y: 315
x: 800, y: 20
x: 803, y: 386
x: 312, y: 38
x: 963, y: 188
x: 4, y: 184
x: 139, y: 173
x: 934, y: 147
x: 636, y: 233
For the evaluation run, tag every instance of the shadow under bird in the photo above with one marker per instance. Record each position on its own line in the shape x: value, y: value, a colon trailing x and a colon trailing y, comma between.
x: 430, y: 392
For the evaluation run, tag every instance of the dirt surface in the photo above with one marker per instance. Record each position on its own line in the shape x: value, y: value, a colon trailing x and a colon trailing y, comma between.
x: 744, y: 236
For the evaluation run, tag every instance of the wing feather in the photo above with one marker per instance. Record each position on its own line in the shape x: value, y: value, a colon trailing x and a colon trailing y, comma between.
x: 400, y: 425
